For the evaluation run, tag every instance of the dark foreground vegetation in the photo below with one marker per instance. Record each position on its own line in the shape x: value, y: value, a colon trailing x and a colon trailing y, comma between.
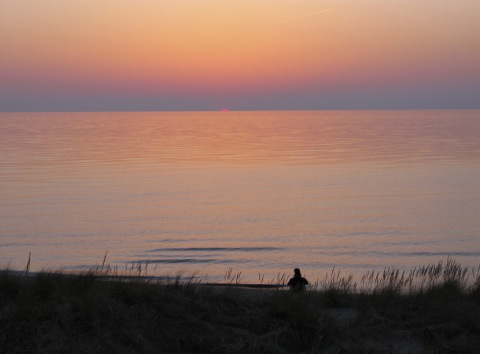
x: 434, y: 309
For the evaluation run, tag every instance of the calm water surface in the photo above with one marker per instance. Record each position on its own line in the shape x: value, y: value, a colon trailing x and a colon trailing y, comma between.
x: 256, y: 192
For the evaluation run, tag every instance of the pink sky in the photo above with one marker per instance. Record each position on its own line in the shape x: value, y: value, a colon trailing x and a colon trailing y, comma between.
x: 240, y: 54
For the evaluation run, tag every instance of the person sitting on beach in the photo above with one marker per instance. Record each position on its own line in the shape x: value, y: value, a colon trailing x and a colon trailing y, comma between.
x: 297, y: 283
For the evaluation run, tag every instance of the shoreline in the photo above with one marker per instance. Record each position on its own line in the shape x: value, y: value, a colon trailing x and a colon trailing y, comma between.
x: 417, y: 279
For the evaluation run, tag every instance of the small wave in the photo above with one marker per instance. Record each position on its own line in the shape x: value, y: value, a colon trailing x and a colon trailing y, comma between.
x: 215, y: 249
x: 442, y: 254
x: 194, y: 261
x: 184, y: 260
x: 13, y: 244
x: 400, y: 254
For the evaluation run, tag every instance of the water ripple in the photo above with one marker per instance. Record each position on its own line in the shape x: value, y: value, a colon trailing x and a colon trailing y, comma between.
x: 216, y: 249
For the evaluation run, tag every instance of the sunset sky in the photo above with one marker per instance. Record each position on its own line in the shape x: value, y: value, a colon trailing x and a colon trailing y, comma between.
x: 110, y: 55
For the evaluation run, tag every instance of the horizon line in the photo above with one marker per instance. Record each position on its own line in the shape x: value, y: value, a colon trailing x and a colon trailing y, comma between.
x: 226, y: 111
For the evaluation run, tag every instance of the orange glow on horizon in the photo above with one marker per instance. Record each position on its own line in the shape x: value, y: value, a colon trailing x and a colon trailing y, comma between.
x: 236, y: 46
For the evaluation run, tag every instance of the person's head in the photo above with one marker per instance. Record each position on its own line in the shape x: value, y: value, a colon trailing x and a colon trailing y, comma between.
x: 297, y: 271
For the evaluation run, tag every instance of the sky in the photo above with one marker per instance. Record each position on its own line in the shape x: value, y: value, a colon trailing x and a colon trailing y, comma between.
x: 149, y: 55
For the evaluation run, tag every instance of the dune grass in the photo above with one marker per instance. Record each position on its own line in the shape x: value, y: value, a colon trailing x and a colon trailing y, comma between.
x: 433, y: 309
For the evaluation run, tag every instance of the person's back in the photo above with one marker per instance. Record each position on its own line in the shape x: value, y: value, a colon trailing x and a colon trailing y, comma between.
x: 297, y: 283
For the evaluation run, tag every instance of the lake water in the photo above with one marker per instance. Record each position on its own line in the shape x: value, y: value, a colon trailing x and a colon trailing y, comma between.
x: 251, y: 192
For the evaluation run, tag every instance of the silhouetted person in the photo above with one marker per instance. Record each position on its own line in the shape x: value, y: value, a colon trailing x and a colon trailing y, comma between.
x: 297, y: 283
